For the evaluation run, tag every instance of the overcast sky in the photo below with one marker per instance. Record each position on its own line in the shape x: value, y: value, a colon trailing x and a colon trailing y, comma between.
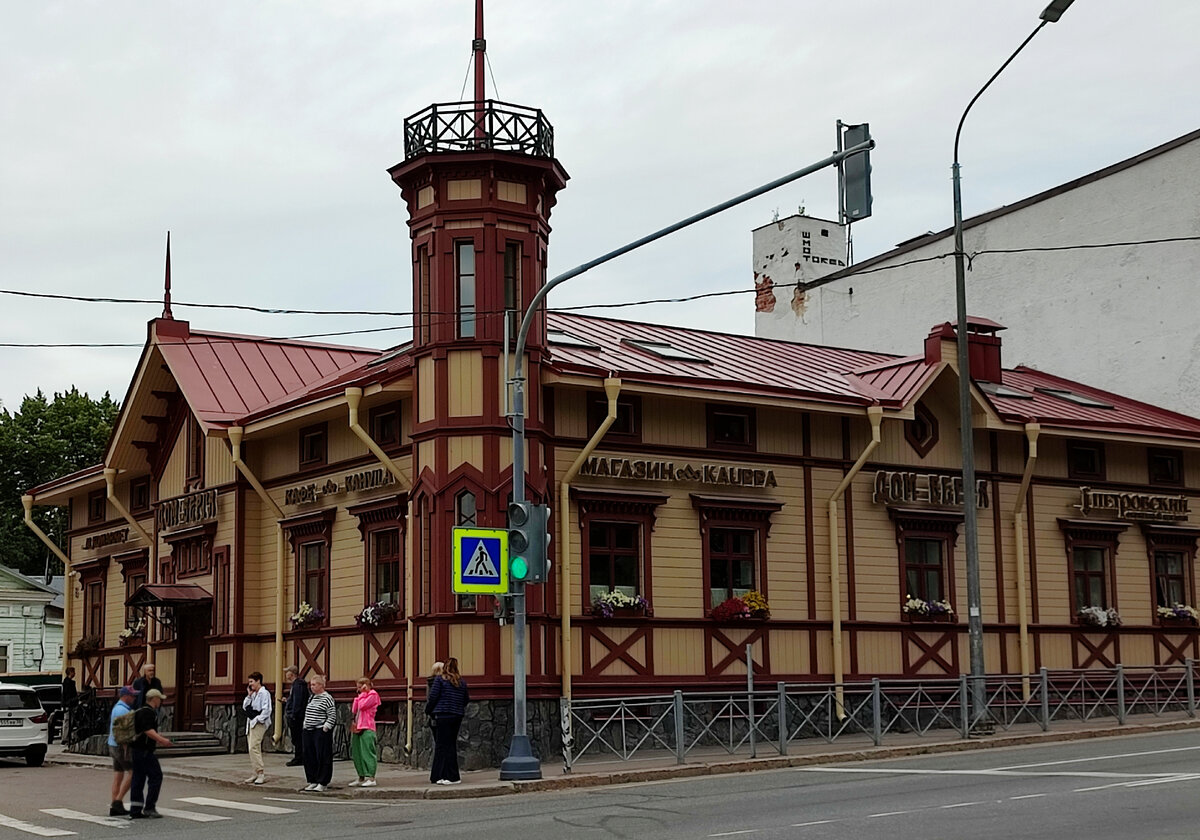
x: 259, y: 134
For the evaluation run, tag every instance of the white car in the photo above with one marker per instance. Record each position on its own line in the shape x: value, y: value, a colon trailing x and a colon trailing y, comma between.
x: 23, y: 724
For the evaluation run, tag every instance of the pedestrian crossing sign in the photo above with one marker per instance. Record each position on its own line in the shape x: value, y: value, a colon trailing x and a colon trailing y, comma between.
x: 480, y: 561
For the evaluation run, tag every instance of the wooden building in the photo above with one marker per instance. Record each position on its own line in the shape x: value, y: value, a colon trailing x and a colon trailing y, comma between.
x: 248, y: 476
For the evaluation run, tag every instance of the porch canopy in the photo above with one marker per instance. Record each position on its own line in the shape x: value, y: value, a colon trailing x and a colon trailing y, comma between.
x: 169, y: 595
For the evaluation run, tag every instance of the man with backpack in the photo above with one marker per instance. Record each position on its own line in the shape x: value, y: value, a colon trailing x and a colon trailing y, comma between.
x: 147, y: 774
x: 122, y: 762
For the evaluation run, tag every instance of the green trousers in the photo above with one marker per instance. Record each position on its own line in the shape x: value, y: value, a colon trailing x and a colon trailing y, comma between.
x: 362, y: 750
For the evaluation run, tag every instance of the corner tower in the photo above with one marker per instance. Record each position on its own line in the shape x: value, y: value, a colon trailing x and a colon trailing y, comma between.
x: 479, y: 179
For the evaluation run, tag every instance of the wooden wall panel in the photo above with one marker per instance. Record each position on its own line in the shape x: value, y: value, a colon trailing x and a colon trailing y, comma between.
x: 789, y: 651
x: 218, y: 464
x: 1053, y: 578
x: 424, y: 397
x: 174, y: 474
x: 673, y: 422
x: 827, y: 436
x: 570, y: 413
x: 466, y: 643
x: 779, y: 432
x: 465, y: 373
x: 678, y: 651
x: 464, y: 450
x: 879, y: 652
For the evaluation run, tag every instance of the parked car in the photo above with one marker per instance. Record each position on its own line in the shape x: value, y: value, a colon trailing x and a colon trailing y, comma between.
x: 50, y: 695
x: 24, y: 724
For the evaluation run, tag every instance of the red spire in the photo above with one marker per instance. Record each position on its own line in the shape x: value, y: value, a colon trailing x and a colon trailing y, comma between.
x: 479, y: 46
x: 167, y: 285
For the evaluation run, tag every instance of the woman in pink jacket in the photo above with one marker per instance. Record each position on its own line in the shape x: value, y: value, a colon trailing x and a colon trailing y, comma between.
x: 362, y: 733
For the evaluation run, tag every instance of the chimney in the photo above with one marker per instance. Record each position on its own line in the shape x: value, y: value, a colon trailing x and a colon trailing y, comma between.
x: 983, y: 347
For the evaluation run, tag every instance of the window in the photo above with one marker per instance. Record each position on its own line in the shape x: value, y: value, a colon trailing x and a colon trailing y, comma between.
x: 1091, y: 549
x: 614, y: 554
x: 310, y: 536
x: 566, y: 339
x: 381, y: 524
x: 5, y: 657
x: 512, y: 288
x: 731, y: 427
x: 133, y: 582
x: 465, y: 271
x: 628, y: 424
x: 731, y: 562
x: 923, y: 569
x: 926, y: 540
x: 1165, y: 467
x: 313, y: 446
x: 465, y: 516
x: 222, y: 593
x: 1072, y: 397
x: 191, y: 550
x: 1170, y: 580
x: 1087, y: 577
x: 665, y: 351
x: 313, y: 575
x: 93, y: 609
x: 1172, y: 553
x: 139, y: 495
x: 385, y: 425
x: 97, y: 507
x: 921, y: 432
x: 385, y: 560
x: 1085, y: 461
x: 195, y: 455
x: 423, y: 297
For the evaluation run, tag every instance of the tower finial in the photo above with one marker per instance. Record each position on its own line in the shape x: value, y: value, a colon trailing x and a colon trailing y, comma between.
x: 167, y: 284
x: 479, y: 46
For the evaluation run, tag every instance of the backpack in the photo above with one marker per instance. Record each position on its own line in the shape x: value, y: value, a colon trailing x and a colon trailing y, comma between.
x: 124, y: 732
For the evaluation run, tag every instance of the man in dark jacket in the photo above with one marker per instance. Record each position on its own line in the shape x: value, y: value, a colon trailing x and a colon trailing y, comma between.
x: 293, y: 711
x: 144, y: 683
x: 147, y: 774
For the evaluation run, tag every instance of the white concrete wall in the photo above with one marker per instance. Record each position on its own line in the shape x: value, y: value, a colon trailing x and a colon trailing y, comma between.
x: 1124, y: 319
x: 787, y: 252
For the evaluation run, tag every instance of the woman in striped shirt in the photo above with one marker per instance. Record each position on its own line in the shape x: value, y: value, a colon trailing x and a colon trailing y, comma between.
x: 319, y: 719
x: 447, y: 702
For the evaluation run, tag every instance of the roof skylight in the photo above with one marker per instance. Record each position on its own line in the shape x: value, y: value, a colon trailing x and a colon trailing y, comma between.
x: 665, y: 351
x: 1071, y: 396
x: 565, y: 339
x: 997, y: 390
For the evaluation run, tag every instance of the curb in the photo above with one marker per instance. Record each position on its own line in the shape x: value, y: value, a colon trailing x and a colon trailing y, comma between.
x: 678, y: 771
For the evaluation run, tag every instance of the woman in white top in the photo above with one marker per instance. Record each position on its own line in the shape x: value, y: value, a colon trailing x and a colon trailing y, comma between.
x: 257, y: 707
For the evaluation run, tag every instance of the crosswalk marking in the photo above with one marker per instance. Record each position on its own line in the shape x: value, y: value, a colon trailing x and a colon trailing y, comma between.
x: 68, y: 814
x: 236, y: 806
x: 30, y: 828
x: 194, y: 816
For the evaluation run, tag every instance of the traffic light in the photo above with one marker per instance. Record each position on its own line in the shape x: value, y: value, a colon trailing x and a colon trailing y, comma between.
x: 528, y: 541
x: 855, y: 172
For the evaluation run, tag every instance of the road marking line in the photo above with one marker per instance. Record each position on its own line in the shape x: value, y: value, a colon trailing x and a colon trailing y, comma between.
x: 1026, y: 796
x: 368, y: 802
x: 888, y: 814
x: 236, y: 806
x: 902, y: 771
x: 814, y: 822
x: 960, y: 805
x: 30, y: 828
x: 68, y: 814
x: 194, y: 816
x: 1183, y: 777
x: 1098, y: 758
x: 1100, y: 787
x: 731, y: 833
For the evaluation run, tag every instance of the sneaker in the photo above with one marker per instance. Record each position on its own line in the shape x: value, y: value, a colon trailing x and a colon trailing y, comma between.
x: 152, y: 815
x: 320, y: 789
x: 260, y: 780
x: 309, y: 787
x: 117, y: 809
x: 356, y: 783
x: 442, y: 782
x: 136, y: 815
x: 369, y: 783
x: 454, y: 782
x: 250, y: 781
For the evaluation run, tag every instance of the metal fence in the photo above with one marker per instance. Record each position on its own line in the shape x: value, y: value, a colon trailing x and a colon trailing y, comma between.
x: 772, y: 719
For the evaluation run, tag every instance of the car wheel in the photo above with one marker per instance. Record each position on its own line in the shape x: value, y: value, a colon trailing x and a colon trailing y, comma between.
x: 35, y: 756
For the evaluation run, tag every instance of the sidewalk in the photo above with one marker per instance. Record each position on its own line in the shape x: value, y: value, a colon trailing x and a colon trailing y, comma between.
x: 399, y: 782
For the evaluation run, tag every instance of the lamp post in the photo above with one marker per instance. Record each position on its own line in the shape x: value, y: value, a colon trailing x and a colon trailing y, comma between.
x: 1050, y: 14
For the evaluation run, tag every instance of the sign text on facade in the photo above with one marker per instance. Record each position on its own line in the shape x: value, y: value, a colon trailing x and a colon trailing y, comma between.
x: 187, y: 510
x: 652, y: 470
x: 351, y: 483
x: 1145, y: 506
x: 909, y: 487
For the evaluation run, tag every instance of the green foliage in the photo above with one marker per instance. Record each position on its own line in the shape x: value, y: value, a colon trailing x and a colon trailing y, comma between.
x: 44, y: 440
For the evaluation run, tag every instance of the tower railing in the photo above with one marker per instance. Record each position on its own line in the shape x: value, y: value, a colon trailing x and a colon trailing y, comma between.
x: 474, y: 126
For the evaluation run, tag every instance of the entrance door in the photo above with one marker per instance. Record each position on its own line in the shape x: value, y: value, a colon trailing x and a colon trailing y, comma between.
x: 192, y: 625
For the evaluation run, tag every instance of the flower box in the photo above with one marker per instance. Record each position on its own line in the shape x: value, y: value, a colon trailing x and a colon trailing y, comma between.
x: 307, y: 616
x: 619, y: 605
x: 918, y: 610
x: 931, y: 618
x: 1099, y: 618
x: 379, y: 614
x: 751, y: 607
x: 1180, y: 615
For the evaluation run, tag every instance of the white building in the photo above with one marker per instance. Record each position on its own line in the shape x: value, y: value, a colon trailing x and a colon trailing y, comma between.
x: 1119, y: 315
x: 31, y: 624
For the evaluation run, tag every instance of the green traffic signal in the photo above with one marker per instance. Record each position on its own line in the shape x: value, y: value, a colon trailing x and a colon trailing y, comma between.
x: 518, y: 568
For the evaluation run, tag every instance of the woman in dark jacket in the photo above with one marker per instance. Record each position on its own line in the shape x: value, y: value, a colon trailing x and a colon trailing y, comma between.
x: 447, y: 701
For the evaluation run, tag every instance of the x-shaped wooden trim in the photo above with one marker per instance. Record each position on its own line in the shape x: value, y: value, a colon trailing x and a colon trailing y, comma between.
x: 134, y: 666
x: 616, y: 650
x: 737, y: 650
x: 1177, y: 654
x: 930, y: 652
x: 385, y: 655
x: 92, y: 665
x: 321, y: 649
x: 1096, y: 651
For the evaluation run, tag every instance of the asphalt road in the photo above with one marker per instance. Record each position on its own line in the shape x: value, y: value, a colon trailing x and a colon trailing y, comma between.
x: 1130, y: 788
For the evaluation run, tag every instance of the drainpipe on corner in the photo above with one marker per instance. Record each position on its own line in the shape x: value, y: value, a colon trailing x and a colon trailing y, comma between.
x: 236, y: 433
x: 110, y: 476
x: 68, y: 575
x: 353, y: 398
x: 875, y: 415
x: 1032, y: 430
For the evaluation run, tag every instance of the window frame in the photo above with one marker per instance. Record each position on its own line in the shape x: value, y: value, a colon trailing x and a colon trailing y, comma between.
x: 140, y: 487
x: 1075, y: 446
x: 931, y: 525
x: 513, y: 308
x: 597, y: 506
x: 597, y: 410
x: 97, y: 508
x: 1176, y: 455
x: 424, y: 296
x: 319, y: 432
x: 466, y: 603
x: 1171, y: 538
x: 466, y: 325
x: 1104, y: 535
x: 922, y: 447
x: 734, y: 514
x: 195, y: 442
x: 5, y: 657
x: 191, y: 550
x: 311, y: 529
x: 748, y: 413
x: 377, y: 415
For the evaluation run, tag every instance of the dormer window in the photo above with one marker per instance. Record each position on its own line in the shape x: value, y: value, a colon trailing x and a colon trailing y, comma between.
x: 97, y: 507
x: 385, y: 425
x: 1085, y: 460
x: 139, y: 494
x: 1165, y: 467
x: 313, y: 446
x: 731, y: 427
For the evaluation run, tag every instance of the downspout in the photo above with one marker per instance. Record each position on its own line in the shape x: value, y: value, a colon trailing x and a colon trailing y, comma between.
x: 612, y: 387
x: 68, y: 582
x: 875, y: 415
x: 1031, y: 433
x: 110, y: 476
x: 235, y: 443
x: 353, y: 398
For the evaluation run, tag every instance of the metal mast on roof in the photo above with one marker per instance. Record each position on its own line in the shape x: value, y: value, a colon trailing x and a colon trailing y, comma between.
x: 167, y: 284
x: 479, y: 48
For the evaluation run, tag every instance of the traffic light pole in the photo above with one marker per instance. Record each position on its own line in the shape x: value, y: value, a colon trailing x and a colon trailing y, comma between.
x: 521, y: 763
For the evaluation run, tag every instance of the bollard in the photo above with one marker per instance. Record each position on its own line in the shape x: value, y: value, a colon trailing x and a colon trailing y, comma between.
x: 876, y: 712
x: 750, y: 699
x: 1121, y: 694
x: 964, y: 723
x: 1189, y: 677
x: 680, y: 749
x: 564, y: 714
x: 1045, y: 701
x: 781, y: 705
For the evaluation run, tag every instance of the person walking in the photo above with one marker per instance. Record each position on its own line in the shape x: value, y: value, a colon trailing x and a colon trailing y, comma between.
x: 293, y: 712
x: 448, y: 698
x: 122, y: 761
x: 257, y: 707
x: 146, y: 681
x: 320, y: 716
x: 147, y: 773
x: 362, y: 733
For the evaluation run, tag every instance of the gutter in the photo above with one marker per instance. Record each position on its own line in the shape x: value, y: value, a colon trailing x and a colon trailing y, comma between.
x: 353, y: 398
x: 68, y: 575
x: 110, y: 476
x: 235, y: 443
x: 875, y: 415
x: 1031, y: 434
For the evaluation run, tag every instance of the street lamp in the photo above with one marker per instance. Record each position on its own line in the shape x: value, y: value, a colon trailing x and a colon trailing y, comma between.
x: 1050, y: 14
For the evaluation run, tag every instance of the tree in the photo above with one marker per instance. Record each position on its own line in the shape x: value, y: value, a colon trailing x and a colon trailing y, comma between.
x: 44, y: 440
